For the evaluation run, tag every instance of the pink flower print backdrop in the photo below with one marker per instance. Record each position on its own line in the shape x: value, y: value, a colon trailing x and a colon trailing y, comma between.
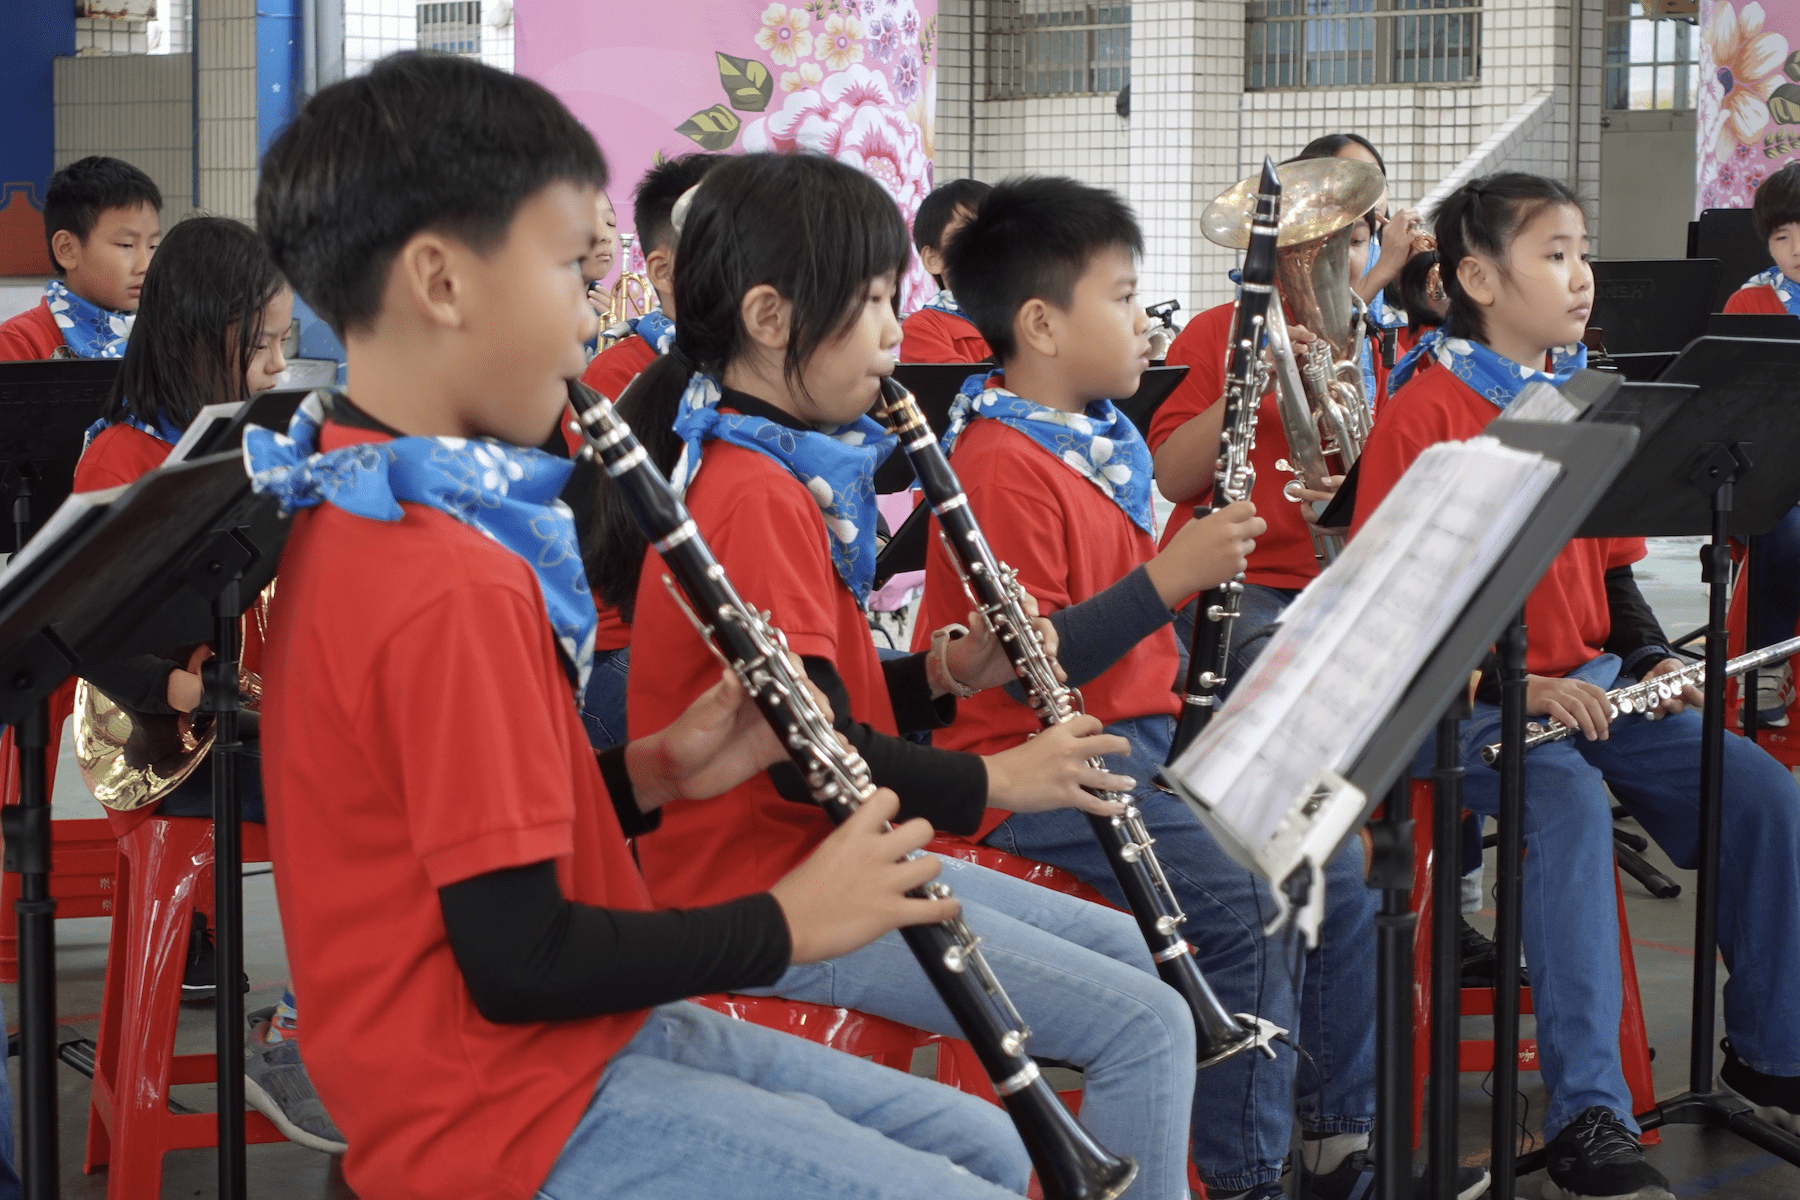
x: 853, y: 79
x: 1748, y: 114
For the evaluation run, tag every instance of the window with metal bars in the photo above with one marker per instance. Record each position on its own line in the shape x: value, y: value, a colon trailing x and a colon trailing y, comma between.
x: 451, y: 27
x: 1053, y: 48
x: 1361, y: 43
x: 1650, y: 63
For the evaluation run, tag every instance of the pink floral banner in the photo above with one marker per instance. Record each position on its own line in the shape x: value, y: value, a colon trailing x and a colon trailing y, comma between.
x: 855, y: 79
x: 1749, y: 104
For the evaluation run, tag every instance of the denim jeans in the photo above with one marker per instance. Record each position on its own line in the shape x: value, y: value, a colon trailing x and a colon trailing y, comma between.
x: 10, y: 1188
x: 603, y: 707
x: 700, y: 1105
x: 1777, y: 582
x: 1082, y: 979
x: 1258, y: 610
x: 1242, y: 1108
x: 1570, y: 931
x: 193, y: 798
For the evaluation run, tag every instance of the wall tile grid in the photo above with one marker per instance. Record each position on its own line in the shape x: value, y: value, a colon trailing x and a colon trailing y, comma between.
x: 135, y: 108
x: 227, y: 45
x: 376, y: 28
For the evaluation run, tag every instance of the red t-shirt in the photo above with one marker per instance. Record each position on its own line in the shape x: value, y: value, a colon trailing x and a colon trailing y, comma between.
x: 1284, y: 554
x: 1068, y: 543
x: 1758, y: 299
x: 418, y: 731
x: 767, y: 532
x: 1566, y: 616
x: 930, y: 336
x: 33, y: 334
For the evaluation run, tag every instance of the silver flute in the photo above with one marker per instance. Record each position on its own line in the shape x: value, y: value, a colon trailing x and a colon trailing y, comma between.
x: 1644, y: 696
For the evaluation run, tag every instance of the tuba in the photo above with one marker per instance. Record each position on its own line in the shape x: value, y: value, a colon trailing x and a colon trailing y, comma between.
x: 132, y: 759
x: 1318, y: 387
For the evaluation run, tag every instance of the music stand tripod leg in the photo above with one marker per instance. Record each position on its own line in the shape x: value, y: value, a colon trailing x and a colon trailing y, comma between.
x: 1446, y: 950
x: 1508, y: 878
x: 27, y: 830
x: 1390, y: 869
x: 221, y: 678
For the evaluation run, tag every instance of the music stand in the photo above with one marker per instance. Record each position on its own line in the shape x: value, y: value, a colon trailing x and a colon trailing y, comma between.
x: 1647, y: 305
x: 1729, y: 235
x: 271, y: 410
x: 45, y: 408
x: 165, y: 562
x: 1775, y: 326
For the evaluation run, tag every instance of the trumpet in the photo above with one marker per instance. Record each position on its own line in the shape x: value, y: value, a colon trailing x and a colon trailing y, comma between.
x: 1645, y: 695
x: 632, y: 295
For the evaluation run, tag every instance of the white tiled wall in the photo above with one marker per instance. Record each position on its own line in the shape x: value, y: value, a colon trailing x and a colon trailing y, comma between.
x: 227, y: 42
x: 134, y: 108
x: 376, y: 28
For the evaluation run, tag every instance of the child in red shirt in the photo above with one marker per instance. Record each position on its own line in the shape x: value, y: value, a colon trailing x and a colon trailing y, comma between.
x: 1061, y: 485
x: 1513, y: 254
x: 102, y: 220
x: 767, y: 390
x: 941, y: 332
x: 1776, y: 214
x: 450, y: 853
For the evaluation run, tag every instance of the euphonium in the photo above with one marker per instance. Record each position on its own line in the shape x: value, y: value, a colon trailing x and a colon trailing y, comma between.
x: 632, y: 295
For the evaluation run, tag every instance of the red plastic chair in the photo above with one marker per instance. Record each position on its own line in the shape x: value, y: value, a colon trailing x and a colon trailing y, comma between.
x: 1477, y: 1054
x: 164, y: 868
x: 1784, y: 742
x: 84, y: 855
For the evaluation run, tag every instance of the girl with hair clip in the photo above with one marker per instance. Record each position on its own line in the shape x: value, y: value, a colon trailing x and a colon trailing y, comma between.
x: 1513, y: 252
x: 209, y: 331
x: 785, y: 277
x: 1420, y: 291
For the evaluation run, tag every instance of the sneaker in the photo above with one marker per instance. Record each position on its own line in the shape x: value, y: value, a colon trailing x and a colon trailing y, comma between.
x: 276, y: 1086
x: 1776, y: 1098
x: 1774, y: 692
x: 1597, y: 1158
x: 1479, y: 957
x: 1355, y: 1178
x: 199, y: 982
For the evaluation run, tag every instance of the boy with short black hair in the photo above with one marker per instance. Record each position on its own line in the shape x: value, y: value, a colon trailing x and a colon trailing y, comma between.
x: 102, y: 220
x: 1060, y: 481
x: 941, y: 332
x: 1776, y: 214
x: 450, y: 856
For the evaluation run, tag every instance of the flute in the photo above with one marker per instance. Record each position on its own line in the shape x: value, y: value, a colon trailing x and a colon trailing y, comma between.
x: 1070, y: 1164
x: 994, y: 590
x: 1646, y: 694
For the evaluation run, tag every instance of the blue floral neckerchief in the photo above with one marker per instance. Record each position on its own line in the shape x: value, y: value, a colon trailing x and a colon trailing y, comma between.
x: 88, y: 330
x: 1494, y: 377
x: 655, y: 327
x: 507, y: 492
x: 162, y: 430
x: 1101, y: 445
x: 836, y: 465
x: 1785, y: 289
x: 944, y: 302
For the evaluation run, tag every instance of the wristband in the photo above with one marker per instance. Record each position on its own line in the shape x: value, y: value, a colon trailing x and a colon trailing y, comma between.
x: 937, y: 663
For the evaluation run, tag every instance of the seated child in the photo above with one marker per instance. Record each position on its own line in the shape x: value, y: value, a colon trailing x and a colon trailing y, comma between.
x: 450, y: 853
x: 1421, y: 294
x: 941, y: 332
x: 786, y: 274
x: 1060, y: 482
x: 102, y: 218
x: 598, y: 262
x: 1513, y: 250
x: 1776, y: 213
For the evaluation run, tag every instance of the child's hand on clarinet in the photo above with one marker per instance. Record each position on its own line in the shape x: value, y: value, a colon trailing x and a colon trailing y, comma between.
x: 1206, y: 552
x: 1052, y: 770
x: 979, y: 660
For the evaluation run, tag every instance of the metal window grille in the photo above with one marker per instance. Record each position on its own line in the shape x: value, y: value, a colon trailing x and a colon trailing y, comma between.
x: 1361, y: 43
x: 451, y: 27
x: 1650, y: 63
x: 1050, y: 48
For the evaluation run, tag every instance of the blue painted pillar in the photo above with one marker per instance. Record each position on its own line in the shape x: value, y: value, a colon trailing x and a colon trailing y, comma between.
x: 279, y: 68
x: 37, y: 31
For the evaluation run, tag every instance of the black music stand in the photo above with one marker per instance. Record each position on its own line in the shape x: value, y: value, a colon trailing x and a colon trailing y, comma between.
x: 1729, y: 235
x: 271, y: 410
x: 45, y: 408
x: 1778, y: 326
x: 165, y: 563
x: 1647, y: 305
x: 1720, y: 465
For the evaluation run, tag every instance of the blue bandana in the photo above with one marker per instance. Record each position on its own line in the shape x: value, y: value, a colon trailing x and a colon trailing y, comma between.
x: 507, y: 492
x: 836, y: 465
x: 655, y: 328
x: 1496, y: 378
x: 88, y: 330
x: 944, y: 302
x: 1101, y: 445
x: 1385, y: 314
x: 1786, y: 290
x: 162, y: 430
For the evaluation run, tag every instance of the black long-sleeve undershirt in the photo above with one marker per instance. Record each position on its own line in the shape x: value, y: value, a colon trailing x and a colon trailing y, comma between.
x: 1637, y: 636
x: 1098, y: 632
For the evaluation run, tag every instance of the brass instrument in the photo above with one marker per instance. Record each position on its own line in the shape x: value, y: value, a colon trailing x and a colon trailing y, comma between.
x: 130, y: 759
x: 633, y: 295
x: 1318, y: 388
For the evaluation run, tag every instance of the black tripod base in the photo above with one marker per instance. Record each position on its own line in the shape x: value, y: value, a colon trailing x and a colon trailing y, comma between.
x: 1723, y: 1110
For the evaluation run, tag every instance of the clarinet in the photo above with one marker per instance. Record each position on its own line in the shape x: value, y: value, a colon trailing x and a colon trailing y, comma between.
x: 994, y: 590
x: 1645, y: 695
x: 1217, y: 610
x: 1070, y: 1164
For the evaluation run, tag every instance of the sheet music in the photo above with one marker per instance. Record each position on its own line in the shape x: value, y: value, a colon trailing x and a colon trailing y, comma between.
x: 201, y: 426
x: 1540, y: 401
x: 1351, y: 643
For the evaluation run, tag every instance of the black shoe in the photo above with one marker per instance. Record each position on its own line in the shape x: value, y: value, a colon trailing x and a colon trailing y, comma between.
x: 1776, y: 1097
x: 1597, y: 1158
x: 1355, y: 1177
x: 1478, y: 958
x: 199, y: 983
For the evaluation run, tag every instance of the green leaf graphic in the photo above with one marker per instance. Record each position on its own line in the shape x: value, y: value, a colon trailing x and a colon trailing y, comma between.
x: 1792, y: 67
x: 747, y: 83
x: 714, y: 128
x: 1784, y: 104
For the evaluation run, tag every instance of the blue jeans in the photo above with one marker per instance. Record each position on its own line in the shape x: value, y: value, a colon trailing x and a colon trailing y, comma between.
x: 1242, y: 1111
x: 193, y: 798
x: 1082, y: 979
x: 1258, y: 610
x: 700, y: 1105
x: 1571, y: 932
x: 10, y: 1188
x: 1777, y: 582
x: 603, y: 707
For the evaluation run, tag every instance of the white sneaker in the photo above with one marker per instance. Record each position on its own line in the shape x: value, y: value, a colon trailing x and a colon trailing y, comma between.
x: 1774, y: 693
